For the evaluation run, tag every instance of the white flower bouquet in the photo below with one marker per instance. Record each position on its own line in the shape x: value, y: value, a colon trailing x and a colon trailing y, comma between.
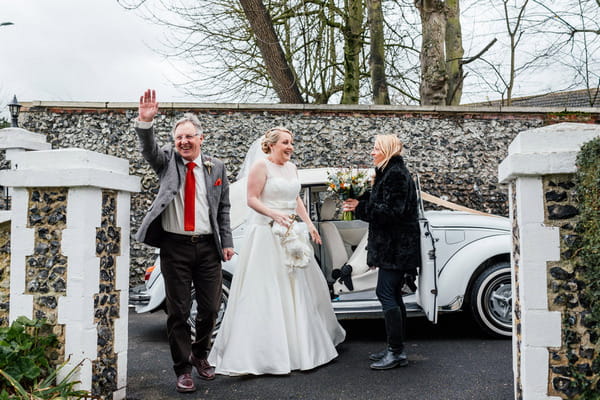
x: 297, y: 251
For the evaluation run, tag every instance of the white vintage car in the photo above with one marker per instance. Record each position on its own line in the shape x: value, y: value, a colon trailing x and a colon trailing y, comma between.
x: 465, y: 262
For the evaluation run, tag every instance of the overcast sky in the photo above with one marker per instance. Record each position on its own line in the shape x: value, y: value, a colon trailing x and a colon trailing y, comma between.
x: 95, y: 50
x: 79, y: 50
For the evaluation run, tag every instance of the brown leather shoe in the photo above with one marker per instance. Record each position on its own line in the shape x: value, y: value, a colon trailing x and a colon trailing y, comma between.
x: 185, y: 383
x: 205, y: 371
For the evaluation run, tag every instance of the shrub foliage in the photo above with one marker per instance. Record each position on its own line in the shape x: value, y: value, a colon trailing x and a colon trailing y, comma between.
x: 25, y: 369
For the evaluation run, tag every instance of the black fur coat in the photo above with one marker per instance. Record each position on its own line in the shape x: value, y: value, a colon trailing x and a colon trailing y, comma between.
x: 391, y: 209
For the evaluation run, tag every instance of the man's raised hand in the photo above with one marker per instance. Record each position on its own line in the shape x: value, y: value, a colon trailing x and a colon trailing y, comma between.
x: 148, y: 106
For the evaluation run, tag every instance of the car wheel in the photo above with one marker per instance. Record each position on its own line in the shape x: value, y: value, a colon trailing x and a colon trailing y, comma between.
x: 224, y: 298
x: 491, y: 300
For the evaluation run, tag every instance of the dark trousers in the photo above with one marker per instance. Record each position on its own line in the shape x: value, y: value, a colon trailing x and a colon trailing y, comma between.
x: 389, y: 293
x: 389, y: 288
x: 185, y: 262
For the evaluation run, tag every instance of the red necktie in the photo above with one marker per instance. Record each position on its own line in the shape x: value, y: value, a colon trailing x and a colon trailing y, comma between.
x: 189, y: 199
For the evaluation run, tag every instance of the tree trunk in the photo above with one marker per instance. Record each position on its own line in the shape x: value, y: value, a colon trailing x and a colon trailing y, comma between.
x: 454, y: 53
x: 278, y: 68
x: 377, y: 56
x: 352, y: 45
x: 434, y: 76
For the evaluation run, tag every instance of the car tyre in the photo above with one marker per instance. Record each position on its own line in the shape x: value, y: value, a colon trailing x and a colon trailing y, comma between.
x: 491, y: 300
x: 224, y: 299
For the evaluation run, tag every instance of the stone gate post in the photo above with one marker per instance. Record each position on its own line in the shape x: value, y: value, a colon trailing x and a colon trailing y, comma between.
x: 12, y: 141
x: 70, y: 258
x: 539, y: 170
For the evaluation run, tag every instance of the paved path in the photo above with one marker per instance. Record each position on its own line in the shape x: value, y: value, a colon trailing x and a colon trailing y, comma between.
x: 448, y: 361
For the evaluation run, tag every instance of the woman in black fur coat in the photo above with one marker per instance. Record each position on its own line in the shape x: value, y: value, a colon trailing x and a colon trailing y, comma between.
x: 391, y: 208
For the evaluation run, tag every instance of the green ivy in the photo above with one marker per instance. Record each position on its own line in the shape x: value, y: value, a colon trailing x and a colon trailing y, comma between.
x: 588, y: 189
x: 588, y: 255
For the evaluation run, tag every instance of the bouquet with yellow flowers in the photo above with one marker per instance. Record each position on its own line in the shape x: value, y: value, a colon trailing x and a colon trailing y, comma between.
x: 348, y: 184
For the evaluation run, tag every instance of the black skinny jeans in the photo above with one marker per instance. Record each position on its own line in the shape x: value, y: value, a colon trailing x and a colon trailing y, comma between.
x: 389, y: 289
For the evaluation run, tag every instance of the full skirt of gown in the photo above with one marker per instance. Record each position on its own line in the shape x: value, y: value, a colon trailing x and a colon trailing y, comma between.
x: 277, y: 319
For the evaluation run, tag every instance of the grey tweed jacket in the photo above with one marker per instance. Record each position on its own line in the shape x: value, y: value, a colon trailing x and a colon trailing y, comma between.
x: 170, y: 168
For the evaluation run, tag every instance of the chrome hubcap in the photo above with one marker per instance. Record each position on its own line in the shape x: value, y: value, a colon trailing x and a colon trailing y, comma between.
x: 498, y: 301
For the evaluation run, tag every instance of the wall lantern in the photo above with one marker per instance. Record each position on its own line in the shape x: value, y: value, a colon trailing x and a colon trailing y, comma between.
x: 14, y: 107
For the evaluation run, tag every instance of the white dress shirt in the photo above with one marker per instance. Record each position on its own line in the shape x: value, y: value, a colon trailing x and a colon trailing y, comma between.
x: 172, y: 216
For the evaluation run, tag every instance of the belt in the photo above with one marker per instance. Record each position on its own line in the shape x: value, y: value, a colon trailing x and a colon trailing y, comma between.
x: 189, y: 238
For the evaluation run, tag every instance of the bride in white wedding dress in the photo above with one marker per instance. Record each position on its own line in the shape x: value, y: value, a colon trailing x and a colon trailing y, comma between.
x: 279, y: 316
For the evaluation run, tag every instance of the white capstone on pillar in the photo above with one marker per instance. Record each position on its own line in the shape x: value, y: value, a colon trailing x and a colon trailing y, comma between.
x: 532, y: 156
x: 18, y: 140
x: 70, y: 258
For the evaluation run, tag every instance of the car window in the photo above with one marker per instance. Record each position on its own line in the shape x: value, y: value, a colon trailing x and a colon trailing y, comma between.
x: 318, y: 194
x: 311, y: 202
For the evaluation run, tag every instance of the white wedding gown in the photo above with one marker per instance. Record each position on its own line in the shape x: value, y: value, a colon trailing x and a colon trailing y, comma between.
x: 278, y: 319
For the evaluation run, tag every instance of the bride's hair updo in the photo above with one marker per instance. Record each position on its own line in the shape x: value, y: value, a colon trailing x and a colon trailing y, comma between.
x: 272, y: 136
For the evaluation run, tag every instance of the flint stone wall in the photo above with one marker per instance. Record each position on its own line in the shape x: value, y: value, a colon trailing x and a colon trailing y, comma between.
x: 455, y: 150
x: 4, y: 272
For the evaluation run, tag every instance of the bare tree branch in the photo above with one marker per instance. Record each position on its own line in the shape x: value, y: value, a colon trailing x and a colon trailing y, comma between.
x: 212, y: 47
x: 480, y: 54
x: 132, y: 7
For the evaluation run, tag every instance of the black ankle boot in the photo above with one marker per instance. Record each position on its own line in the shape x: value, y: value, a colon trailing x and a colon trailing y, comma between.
x: 393, y: 356
x: 391, y: 359
x: 378, y: 356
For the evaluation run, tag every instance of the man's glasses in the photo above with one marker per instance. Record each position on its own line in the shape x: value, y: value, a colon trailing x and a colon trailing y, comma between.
x: 186, y: 137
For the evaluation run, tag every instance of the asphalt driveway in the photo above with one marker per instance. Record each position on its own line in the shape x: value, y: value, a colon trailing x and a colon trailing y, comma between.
x: 448, y: 361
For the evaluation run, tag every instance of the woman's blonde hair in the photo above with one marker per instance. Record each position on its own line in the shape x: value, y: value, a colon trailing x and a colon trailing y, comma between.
x: 272, y: 136
x: 390, y: 146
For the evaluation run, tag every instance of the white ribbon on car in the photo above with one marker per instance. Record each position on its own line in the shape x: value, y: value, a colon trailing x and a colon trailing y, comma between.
x: 453, y: 206
x: 296, y: 250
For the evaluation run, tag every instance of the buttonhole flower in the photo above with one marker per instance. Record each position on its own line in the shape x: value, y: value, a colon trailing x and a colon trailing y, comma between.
x: 209, y: 164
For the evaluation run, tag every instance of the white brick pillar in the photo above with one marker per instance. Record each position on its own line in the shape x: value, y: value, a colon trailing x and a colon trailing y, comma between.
x: 70, y: 257
x: 534, y: 156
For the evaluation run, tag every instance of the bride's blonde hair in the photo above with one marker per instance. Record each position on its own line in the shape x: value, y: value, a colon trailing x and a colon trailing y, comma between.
x: 390, y: 146
x: 272, y: 136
